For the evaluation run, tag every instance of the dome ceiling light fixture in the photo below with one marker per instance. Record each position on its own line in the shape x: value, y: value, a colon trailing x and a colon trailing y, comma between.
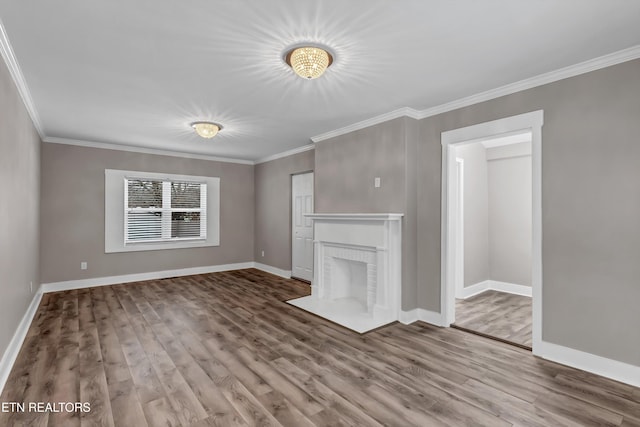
x: 309, y: 62
x: 206, y: 129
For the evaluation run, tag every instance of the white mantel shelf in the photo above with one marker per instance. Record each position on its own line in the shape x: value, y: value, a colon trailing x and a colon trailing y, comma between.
x: 356, y: 216
x: 357, y: 276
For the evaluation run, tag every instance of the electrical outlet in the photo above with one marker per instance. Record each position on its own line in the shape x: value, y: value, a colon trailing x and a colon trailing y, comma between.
x: 262, y: 253
x: 83, y: 265
x: 376, y: 182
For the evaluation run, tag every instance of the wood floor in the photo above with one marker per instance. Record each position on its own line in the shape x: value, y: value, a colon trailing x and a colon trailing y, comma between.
x: 224, y: 349
x: 497, y: 314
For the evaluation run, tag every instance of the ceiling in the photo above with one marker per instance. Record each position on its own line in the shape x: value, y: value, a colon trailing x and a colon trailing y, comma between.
x: 136, y: 73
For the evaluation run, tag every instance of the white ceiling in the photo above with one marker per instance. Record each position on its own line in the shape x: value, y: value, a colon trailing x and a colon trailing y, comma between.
x: 136, y: 73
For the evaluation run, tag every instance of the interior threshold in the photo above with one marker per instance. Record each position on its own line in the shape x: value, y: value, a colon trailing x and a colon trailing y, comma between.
x: 491, y: 337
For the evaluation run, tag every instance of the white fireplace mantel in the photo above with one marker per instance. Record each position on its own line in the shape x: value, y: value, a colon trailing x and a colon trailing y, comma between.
x: 357, y: 276
x: 355, y: 216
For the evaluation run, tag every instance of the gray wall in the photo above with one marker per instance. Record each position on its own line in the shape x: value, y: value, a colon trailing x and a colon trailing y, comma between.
x: 345, y: 169
x: 476, y: 214
x: 347, y: 165
x: 509, y: 188
x: 273, y: 207
x: 19, y: 209
x: 72, y: 213
x: 590, y: 206
x: 410, y: 219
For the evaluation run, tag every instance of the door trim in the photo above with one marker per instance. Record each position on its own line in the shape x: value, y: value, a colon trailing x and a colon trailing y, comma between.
x: 459, y: 218
x: 532, y: 121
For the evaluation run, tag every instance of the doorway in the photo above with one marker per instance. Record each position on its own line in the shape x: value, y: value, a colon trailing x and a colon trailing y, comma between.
x: 493, y: 245
x: 455, y: 286
x: 302, y: 227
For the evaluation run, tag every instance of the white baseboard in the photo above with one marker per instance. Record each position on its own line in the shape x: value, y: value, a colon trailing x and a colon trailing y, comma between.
x: 494, y: 285
x: 431, y: 317
x: 511, y: 288
x: 408, y: 317
x: 128, y: 278
x: 273, y: 270
x: 472, y: 290
x: 619, y: 371
x: 11, y: 353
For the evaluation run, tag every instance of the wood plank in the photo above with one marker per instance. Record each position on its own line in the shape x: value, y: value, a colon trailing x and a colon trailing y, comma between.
x: 223, y: 349
x: 498, y: 314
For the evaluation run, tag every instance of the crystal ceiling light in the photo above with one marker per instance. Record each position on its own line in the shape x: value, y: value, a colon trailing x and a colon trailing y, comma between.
x: 206, y: 129
x: 309, y: 62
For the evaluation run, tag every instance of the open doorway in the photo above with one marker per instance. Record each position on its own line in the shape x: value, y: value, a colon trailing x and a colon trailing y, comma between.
x: 491, y: 235
x: 493, y: 247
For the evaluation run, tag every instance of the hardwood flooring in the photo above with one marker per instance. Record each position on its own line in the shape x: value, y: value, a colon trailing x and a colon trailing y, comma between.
x: 224, y: 349
x: 497, y: 314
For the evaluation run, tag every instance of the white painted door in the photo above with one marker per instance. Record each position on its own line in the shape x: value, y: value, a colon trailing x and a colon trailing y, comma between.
x: 302, y: 228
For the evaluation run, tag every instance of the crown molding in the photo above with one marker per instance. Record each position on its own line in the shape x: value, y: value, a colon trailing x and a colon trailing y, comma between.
x: 130, y: 148
x: 615, y: 58
x: 539, y: 80
x: 286, y: 153
x: 400, y: 112
x: 18, y: 78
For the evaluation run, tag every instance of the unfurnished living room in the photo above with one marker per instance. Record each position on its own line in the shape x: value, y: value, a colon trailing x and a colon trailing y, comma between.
x: 298, y: 212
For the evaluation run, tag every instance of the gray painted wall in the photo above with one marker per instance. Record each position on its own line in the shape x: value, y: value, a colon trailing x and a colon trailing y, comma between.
x: 476, y: 213
x: 72, y: 213
x: 590, y: 206
x: 410, y: 219
x: 19, y: 209
x: 273, y: 207
x: 347, y: 165
x: 497, y: 213
x: 509, y: 188
x: 345, y: 168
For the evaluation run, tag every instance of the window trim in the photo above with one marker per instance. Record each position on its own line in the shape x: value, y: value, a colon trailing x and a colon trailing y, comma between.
x: 166, y: 210
x: 115, y: 233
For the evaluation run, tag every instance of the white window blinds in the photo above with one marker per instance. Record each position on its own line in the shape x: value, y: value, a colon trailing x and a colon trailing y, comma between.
x: 164, y: 210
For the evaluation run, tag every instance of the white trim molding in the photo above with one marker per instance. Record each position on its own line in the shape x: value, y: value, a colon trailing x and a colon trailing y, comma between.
x: 18, y: 78
x: 138, y: 277
x: 511, y: 288
x: 532, y: 121
x: 287, y: 153
x: 485, y: 285
x: 472, y: 290
x: 273, y: 270
x: 594, y: 64
x: 356, y: 216
x: 400, y: 112
x: 420, y: 314
x: 609, y: 368
x: 539, y: 80
x: 11, y: 353
x: 408, y: 317
x: 155, y: 275
x: 143, y: 150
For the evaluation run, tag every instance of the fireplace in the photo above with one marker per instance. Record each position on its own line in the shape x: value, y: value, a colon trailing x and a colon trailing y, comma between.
x: 357, y: 270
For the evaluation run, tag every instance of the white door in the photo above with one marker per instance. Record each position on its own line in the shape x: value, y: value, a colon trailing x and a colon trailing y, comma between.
x: 302, y: 228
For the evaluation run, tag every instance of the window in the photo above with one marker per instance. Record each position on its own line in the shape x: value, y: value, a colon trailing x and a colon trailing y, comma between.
x: 160, y: 211
x: 149, y: 211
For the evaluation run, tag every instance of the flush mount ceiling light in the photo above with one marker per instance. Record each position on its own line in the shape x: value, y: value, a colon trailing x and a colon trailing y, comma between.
x: 309, y: 62
x: 206, y: 129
